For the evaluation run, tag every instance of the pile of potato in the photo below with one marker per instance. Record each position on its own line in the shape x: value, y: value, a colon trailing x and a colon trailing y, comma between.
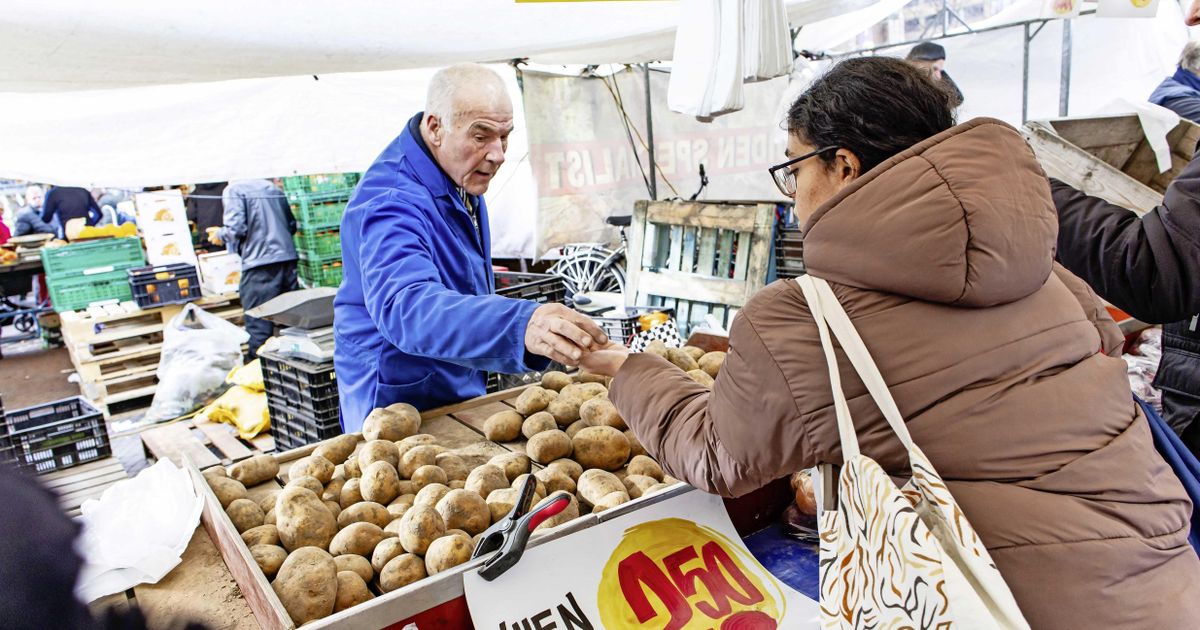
x: 355, y: 520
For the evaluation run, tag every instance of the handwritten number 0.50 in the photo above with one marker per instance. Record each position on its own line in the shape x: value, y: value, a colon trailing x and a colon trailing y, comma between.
x: 674, y: 588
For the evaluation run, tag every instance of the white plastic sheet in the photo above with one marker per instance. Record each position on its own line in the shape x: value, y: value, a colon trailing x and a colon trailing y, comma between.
x: 137, y: 531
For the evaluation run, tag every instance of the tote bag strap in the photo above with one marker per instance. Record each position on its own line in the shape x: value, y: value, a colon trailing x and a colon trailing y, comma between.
x: 829, y: 315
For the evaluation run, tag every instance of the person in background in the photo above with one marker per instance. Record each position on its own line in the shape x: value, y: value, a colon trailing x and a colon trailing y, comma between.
x: 1180, y: 92
x: 258, y: 226
x: 5, y: 233
x: 416, y: 319
x: 204, y: 208
x: 938, y: 240
x: 64, y: 203
x: 29, y: 217
x: 931, y: 58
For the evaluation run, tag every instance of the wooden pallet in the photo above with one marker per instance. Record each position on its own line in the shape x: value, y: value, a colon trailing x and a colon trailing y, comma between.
x: 204, y: 443
x: 87, y: 481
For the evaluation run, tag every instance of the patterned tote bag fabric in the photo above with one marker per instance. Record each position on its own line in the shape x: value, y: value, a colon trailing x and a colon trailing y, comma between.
x: 895, y: 557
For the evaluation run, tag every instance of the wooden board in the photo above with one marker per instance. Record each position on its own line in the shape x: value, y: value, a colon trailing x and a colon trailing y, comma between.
x: 206, y: 443
x: 80, y: 483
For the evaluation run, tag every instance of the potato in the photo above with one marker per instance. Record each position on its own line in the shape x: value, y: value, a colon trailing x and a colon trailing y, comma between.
x: 214, y: 471
x: 387, y: 549
x: 610, y: 500
x: 227, y: 490
x: 334, y: 508
x: 267, y: 502
x: 255, y: 470
x: 400, y: 572
x: 682, y: 360
x: 656, y: 488
x: 600, y: 411
x: 712, y: 363
x: 245, y: 514
x: 420, y: 526
x: 565, y: 409
x: 352, y: 468
x: 504, y: 426
x: 302, y: 520
x: 261, y: 535
x: 351, y: 493
x: 407, y: 486
x: 694, y: 352
x: 513, y: 464
x: 380, y: 483
x: 600, y: 447
x: 355, y: 563
x: 577, y: 426
x: 378, y: 451
x: 657, y: 347
x: 548, y: 446
x: 465, y: 510
x: 584, y: 391
x: 364, y: 512
x: 337, y: 449
x: 538, y: 422
x: 532, y: 400
x: 555, y: 380
x: 394, y: 422
x: 429, y: 474
x: 333, y: 489
x: 457, y: 484
x: 635, y: 446
x: 500, y: 502
x: 313, y: 466
x: 569, y: 467
x: 307, y: 581
x: 397, y: 508
x: 702, y: 377
x: 584, y: 377
x: 269, y: 517
x: 669, y: 480
x: 307, y: 481
x: 486, y: 478
x: 351, y: 591
x: 643, y: 465
x: 357, y: 538
x: 594, y: 484
x: 268, y: 558
x: 447, y: 552
x: 539, y: 488
x: 431, y: 494
x: 393, y: 528
x: 455, y: 467
x: 416, y: 457
x: 636, y: 485
x: 569, y: 513
x: 554, y: 480
x: 420, y: 439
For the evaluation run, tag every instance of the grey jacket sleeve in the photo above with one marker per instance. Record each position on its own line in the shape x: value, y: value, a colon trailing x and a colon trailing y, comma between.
x: 234, y: 218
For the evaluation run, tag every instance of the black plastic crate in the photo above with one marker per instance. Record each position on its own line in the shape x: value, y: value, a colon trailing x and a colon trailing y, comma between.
x: 295, y: 416
x: 54, y: 436
x: 624, y: 329
x: 789, y: 253
x: 164, y: 284
x: 535, y: 287
x: 498, y: 382
x: 306, y: 374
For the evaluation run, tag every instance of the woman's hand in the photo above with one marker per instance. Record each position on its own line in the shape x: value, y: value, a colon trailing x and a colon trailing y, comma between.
x: 606, y: 361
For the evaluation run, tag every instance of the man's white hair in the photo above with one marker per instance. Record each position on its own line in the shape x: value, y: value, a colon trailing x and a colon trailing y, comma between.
x: 442, y: 100
x: 1189, y: 59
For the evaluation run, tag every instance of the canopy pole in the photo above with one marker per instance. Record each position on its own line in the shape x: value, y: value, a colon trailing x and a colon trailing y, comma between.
x: 1025, y: 78
x: 1064, y: 86
x: 650, y: 136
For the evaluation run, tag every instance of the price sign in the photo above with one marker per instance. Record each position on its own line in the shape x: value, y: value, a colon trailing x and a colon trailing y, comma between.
x: 674, y: 565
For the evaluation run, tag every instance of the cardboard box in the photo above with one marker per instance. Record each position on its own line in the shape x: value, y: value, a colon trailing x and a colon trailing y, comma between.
x: 220, y: 272
x: 161, y: 213
x: 169, y: 248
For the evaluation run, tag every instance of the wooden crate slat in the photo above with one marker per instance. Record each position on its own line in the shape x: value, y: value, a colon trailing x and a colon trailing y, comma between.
x: 222, y: 437
x: 725, y: 259
x: 688, y: 263
x: 174, y: 441
x: 708, y: 251
x: 676, y: 248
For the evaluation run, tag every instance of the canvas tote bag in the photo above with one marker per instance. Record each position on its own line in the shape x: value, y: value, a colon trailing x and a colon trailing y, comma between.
x: 895, y: 557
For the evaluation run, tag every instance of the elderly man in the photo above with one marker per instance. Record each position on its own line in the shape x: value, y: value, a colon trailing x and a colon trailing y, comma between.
x: 29, y: 218
x: 1180, y: 92
x: 931, y: 58
x: 415, y: 319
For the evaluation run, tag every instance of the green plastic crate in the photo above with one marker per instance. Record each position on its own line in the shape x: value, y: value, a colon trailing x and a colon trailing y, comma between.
x: 312, y: 212
x: 115, y: 254
x: 321, y: 273
x: 319, y: 245
x: 72, y: 293
x: 321, y: 183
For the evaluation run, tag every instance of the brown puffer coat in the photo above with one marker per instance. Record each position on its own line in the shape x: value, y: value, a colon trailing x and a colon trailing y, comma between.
x: 944, y: 259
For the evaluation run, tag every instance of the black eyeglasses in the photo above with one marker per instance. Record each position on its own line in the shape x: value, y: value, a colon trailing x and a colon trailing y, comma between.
x: 785, y: 177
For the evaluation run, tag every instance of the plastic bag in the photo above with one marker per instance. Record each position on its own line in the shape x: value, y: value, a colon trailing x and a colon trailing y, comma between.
x: 199, y: 350
x: 242, y: 407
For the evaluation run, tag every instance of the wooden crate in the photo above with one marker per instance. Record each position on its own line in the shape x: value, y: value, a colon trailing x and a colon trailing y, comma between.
x: 699, y: 258
x: 75, y: 485
x: 1109, y: 157
x: 205, y: 443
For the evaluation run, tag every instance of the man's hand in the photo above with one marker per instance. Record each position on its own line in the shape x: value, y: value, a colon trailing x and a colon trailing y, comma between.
x: 562, y: 334
x: 1192, y: 17
x: 606, y: 361
x: 214, y: 236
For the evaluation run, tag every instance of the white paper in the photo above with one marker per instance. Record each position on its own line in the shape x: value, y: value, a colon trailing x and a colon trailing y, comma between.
x: 579, y: 576
x: 1126, y: 8
x: 1156, y: 121
x: 137, y: 531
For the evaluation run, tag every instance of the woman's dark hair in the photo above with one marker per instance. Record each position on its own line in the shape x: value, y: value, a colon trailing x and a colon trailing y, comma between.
x: 874, y: 107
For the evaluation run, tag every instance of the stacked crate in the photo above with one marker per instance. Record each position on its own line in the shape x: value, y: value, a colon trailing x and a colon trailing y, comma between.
x: 535, y: 287
x: 302, y: 400
x: 318, y: 202
x: 92, y: 272
x: 53, y: 436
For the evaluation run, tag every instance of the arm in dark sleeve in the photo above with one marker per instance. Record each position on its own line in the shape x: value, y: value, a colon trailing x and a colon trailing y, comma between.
x: 289, y: 217
x: 413, y: 310
x: 233, y: 220
x: 732, y: 440
x: 93, y: 211
x: 49, y: 205
x: 1148, y: 267
x: 1186, y: 106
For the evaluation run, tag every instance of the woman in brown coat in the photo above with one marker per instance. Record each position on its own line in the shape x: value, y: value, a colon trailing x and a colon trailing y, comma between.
x: 939, y: 242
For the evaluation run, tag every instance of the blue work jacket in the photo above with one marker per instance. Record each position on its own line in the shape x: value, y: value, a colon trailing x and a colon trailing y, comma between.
x: 415, y: 319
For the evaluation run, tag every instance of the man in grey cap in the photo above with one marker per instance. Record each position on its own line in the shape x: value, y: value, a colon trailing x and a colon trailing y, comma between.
x: 931, y: 58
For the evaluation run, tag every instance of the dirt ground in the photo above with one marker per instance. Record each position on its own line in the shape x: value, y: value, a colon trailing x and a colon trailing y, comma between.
x: 30, y: 375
